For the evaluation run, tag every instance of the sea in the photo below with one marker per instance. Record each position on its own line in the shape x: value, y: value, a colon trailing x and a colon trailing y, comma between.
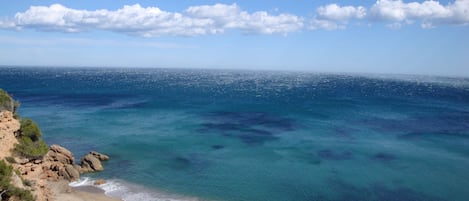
x: 239, y: 135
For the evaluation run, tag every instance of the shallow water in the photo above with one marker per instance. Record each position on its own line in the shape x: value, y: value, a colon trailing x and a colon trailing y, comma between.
x: 241, y: 135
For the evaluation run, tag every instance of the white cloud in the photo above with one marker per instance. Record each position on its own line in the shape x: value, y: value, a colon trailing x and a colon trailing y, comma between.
x: 333, y: 16
x: 325, y: 24
x: 394, y: 12
x: 152, y: 21
x: 232, y: 17
x: 338, y: 13
x: 219, y: 18
x: 428, y: 13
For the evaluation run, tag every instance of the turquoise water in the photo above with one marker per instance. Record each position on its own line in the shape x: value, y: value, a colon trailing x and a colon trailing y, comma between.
x: 242, y: 135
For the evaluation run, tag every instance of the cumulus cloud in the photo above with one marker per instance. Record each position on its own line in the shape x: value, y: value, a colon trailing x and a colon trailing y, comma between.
x: 333, y: 16
x: 338, y: 13
x: 152, y: 21
x: 395, y: 13
x: 219, y: 18
x: 232, y: 17
x: 427, y: 12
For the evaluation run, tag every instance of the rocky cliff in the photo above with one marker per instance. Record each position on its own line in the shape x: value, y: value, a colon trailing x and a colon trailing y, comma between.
x: 32, y: 174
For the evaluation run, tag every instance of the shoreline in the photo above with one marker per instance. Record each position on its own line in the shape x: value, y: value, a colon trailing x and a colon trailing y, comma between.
x: 117, y: 189
x: 48, y: 177
x: 62, y: 191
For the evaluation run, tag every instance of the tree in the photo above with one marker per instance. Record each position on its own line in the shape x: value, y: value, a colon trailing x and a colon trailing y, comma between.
x: 30, y: 143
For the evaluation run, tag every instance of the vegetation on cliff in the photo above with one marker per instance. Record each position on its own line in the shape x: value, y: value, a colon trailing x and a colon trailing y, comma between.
x: 23, y: 171
x: 7, y: 190
x: 7, y: 102
x: 30, y: 143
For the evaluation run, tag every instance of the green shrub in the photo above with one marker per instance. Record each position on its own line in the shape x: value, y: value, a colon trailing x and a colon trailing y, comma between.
x: 7, y: 190
x: 31, y: 149
x: 6, y: 102
x: 10, y: 159
x: 30, y: 129
x: 5, y: 174
x: 30, y: 143
x: 27, y: 183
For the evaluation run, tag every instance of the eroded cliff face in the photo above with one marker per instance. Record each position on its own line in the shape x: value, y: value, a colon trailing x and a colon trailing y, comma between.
x: 29, y: 178
x: 8, y: 129
x: 33, y: 174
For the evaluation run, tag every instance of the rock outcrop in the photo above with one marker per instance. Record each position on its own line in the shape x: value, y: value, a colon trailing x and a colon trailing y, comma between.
x: 91, y: 162
x: 69, y: 172
x: 33, y: 173
x: 99, y: 156
x: 59, y: 164
x: 59, y: 154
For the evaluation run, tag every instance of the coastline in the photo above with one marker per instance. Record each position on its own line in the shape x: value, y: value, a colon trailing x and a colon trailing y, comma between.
x: 62, y: 191
x: 117, y: 189
x: 55, y: 174
x: 47, y: 178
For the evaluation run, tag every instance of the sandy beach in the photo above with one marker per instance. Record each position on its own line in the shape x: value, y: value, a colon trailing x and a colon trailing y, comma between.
x: 63, y: 192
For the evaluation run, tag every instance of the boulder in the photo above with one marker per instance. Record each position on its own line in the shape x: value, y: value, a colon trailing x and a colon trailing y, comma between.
x: 90, y: 163
x: 99, y: 182
x: 69, y: 172
x: 59, y: 154
x: 99, y: 156
x: 59, y: 163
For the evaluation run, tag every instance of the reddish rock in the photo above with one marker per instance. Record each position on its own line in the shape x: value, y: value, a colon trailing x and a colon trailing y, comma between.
x: 100, y: 156
x: 59, y: 154
x: 99, y: 182
x: 89, y: 163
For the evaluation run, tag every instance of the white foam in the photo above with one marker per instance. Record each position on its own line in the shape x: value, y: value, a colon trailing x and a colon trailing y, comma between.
x: 85, y: 181
x: 131, y: 192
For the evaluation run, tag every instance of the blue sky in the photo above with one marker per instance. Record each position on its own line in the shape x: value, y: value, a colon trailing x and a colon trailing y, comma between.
x: 380, y: 36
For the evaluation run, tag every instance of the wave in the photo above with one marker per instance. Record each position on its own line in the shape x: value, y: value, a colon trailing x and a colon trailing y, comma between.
x: 131, y: 192
x: 85, y: 181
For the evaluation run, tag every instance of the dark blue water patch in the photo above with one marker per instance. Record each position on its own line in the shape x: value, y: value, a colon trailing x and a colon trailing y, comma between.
x: 385, y: 157
x: 253, y: 139
x: 252, y: 128
x: 376, y: 192
x: 250, y: 136
x: 217, y: 147
x: 343, y: 132
x: 180, y: 162
x: 328, y: 154
x: 450, y: 123
x: 194, y: 163
x: 249, y: 119
x: 422, y: 135
x: 222, y: 126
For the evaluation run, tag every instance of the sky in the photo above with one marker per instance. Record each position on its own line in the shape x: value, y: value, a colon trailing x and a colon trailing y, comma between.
x: 358, y: 36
